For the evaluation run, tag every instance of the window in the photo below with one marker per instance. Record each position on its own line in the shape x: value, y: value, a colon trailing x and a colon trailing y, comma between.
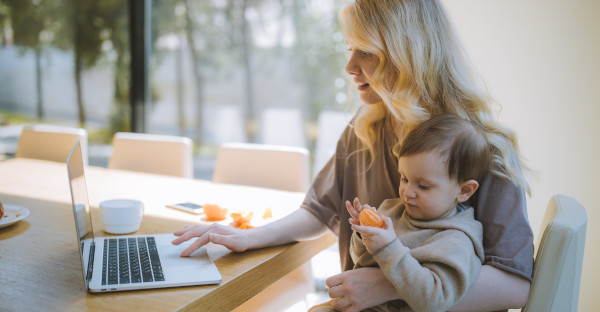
x: 219, y: 70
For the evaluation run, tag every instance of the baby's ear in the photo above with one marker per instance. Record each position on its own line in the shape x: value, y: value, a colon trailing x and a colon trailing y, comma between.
x: 467, y: 189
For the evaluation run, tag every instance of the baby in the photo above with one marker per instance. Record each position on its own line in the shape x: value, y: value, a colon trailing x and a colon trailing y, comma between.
x: 432, y: 250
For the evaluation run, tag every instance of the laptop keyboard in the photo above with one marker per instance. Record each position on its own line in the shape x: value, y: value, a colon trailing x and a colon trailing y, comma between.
x: 130, y: 260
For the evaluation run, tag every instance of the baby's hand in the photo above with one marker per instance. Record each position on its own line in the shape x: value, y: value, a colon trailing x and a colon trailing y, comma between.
x: 376, y: 238
x: 354, y: 210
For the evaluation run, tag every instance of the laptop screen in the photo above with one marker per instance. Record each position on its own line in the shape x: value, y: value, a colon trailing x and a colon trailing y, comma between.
x: 79, y: 197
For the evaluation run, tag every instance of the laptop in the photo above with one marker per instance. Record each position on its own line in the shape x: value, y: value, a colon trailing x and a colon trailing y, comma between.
x: 130, y: 262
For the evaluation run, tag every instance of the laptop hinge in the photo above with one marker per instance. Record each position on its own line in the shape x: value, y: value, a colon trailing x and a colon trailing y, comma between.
x: 90, y: 269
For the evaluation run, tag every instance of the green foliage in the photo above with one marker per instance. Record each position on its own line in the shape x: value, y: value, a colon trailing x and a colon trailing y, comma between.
x: 218, y: 34
x: 9, y: 118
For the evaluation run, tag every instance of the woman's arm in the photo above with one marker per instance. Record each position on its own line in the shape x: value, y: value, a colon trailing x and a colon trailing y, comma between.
x: 300, y: 225
x: 297, y: 226
x: 493, y: 290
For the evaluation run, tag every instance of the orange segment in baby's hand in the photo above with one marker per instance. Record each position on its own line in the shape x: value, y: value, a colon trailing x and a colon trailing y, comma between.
x: 369, y: 217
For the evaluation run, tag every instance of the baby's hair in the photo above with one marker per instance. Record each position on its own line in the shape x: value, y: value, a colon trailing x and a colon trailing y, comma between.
x: 460, y: 141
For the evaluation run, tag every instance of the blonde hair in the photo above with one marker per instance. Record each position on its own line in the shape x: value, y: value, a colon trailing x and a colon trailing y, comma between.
x: 423, y: 71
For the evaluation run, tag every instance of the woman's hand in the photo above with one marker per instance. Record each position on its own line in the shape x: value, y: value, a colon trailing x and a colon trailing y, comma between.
x: 359, y: 289
x: 297, y: 226
x: 232, y: 238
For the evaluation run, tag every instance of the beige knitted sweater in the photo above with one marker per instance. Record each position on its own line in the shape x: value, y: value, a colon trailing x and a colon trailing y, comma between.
x: 431, y: 264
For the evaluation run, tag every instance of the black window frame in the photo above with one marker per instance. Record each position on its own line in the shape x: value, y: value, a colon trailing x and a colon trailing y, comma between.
x: 140, y: 14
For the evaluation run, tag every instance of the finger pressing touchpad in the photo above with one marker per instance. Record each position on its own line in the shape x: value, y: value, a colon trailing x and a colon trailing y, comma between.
x: 170, y: 255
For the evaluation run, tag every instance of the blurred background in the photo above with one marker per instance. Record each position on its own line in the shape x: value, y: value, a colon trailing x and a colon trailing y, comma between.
x: 214, y: 70
x: 272, y: 71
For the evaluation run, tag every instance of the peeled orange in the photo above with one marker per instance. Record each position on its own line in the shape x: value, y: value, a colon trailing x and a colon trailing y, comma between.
x: 214, y: 212
x: 369, y: 217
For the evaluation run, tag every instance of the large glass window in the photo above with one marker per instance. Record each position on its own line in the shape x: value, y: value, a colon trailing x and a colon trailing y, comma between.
x: 64, y: 62
x: 246, y: 71
x: 262, y: 71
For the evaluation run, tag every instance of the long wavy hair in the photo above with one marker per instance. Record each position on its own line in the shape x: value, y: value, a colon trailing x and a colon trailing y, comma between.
x: 416, y: 44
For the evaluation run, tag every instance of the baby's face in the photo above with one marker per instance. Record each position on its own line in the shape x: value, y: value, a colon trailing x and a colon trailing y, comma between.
x: 425, y: 186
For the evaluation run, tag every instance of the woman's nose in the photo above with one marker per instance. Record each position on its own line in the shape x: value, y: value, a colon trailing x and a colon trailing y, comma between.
x: 352, y: 67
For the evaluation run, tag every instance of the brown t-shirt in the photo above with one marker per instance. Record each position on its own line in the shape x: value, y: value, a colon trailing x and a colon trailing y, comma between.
x: 499, y: 204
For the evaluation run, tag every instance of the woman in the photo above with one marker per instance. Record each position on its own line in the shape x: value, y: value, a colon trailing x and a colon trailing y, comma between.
x: 408, y: 65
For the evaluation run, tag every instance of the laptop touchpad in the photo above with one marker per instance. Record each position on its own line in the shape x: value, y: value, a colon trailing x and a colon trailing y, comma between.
x: 170, y: 256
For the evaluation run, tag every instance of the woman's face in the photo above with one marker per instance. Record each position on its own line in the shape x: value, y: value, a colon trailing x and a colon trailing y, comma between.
x: 361, y: 66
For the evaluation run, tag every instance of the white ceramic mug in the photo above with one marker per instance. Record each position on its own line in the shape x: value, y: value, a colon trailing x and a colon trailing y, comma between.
x: 121, y: 216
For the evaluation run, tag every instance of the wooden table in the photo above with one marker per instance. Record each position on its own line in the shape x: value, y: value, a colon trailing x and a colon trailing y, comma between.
x: 40, y: 267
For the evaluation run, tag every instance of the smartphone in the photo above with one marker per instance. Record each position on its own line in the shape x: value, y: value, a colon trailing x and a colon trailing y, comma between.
x: 188, y: 207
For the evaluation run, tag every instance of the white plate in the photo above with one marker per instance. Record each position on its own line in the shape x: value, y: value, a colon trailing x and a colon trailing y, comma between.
x: 13, y: 214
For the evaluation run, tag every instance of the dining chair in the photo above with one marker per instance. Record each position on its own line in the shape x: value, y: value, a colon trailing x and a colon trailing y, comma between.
x: 331, y: 126
x: 227, y: 125
x: 50, y: 142
x: 559, y: 258
x: 274, y: 166
x: 282, y: 126
x: 278, y: 167
x: 152, y: 153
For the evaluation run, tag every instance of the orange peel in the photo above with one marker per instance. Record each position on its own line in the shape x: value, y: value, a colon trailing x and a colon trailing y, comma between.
x: 214, y: 212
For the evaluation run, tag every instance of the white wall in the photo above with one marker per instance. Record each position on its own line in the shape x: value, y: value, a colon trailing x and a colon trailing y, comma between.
x: 541, y: 62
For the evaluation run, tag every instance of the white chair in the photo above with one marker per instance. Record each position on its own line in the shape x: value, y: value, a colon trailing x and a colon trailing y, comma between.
x: 559, y: 259
x: 227, y: 124
x: 273, y: 166
x: 152, y: 153
x: 331, y: 125
x: 50, y: 142
x: 278, y: 167
x: 282, y: 126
